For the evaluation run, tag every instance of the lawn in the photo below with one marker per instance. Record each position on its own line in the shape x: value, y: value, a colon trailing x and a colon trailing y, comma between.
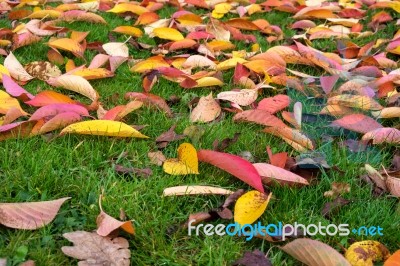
x: 82, y: 167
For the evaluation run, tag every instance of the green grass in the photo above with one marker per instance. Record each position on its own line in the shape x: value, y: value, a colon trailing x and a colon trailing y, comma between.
x: 81, y: 167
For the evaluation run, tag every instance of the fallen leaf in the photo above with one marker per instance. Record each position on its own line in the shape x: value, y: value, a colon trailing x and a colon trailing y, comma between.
x: 69, y: 45
x: 224, y: 144
x: 243, y: 97
x: 145, y: 173
x: 42, y: 70
x: 103, y: 128
x: 254, y: 258
x: 260, y: 117
x: 15, y: 90
x: 156, y: 158
x: 15, y: 68
x: 29, y: 215
x: 355, y: 101
x: 250, y: 206
x: 270, y: 174
x: 195, y: 190
x: 333, y: 206
x: 313, y: 252
x: 116, y: 49
x: 107, y: 224
x: 234, y: 165
x: 206, y: 110
x: 186, y: 163
x: 90, y: 248
x: 357, y: 122
x: 168, y: 136
x: 337, y: 189
x: 365, y: 253
x: 393, y: 260
x: 383, y: 135
x: 168, y: 34
x: 274, y: 104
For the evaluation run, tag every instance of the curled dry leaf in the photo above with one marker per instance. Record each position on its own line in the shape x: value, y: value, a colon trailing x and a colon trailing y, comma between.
x: 243, y: 97
x: 103, y: 128
x: 92, y: 249
x: 365, y: 253
x: 29, y: 215
x: 313, y: 252
x: 234, y: 165
x: 206, y: 110
x: 195, y: 190
x: 250, y: 206
x: 271, y: 174
x: 186, y: 163
x: 107, y: 224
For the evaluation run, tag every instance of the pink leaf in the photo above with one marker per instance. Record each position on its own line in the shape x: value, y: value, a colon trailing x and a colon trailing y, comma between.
x: 15, y: 90
x: 29, y: 215
x: 234, y: 165
x: 382, y: 135
x: 60, y: 121
x: 54, y: 109
x: 270, y: 173
x: 328, y: 82
x: 357, y: 122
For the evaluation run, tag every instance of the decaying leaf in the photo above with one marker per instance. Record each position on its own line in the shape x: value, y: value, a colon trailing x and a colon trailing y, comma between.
x: 92, y: 249
x: 42, y: 70
x: 156, y: 157
x: 254, y: 258
x: 365, y: 253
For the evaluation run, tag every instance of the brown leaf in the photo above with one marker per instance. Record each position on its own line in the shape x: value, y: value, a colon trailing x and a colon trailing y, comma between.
x: 337, y: 189
x: 156, y: 157
x: 168, y: 136
x: 255, y: 258
x: 333, y: 206
x: 29, y: 215
x: 225, y: 143
x: 150, y: 99
x: 146, y: 172
x: 92, y: 249
x: 42, y: 70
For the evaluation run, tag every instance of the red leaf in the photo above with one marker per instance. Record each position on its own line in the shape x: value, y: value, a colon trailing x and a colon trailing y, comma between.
x: 328, y: 82
x: 260, y: 117
x: 274, y: 104
x: 234, y: 165
x: 277, y: 159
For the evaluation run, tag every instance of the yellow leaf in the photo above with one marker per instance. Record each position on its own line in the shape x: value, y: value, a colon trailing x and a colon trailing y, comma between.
x: 222, y: 8
x: 168, y: 34
x: 230, y: 63
x: 128, y: 30
x: 128, y: 7
x: 250, y: 206
x: 189, y: 20
x: 93, y: 73
x: 7, y: 102
x: 4, y: 71
x: 216, y: 15
x: 45, y: 14
x: 208, y: 82
x: 364, y: 253
x: 67, y: 44
x: 149, y: 64
x: 218, y: 45
x: 355, y: 101
x: 186, y: 163
x: 103, y: 128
